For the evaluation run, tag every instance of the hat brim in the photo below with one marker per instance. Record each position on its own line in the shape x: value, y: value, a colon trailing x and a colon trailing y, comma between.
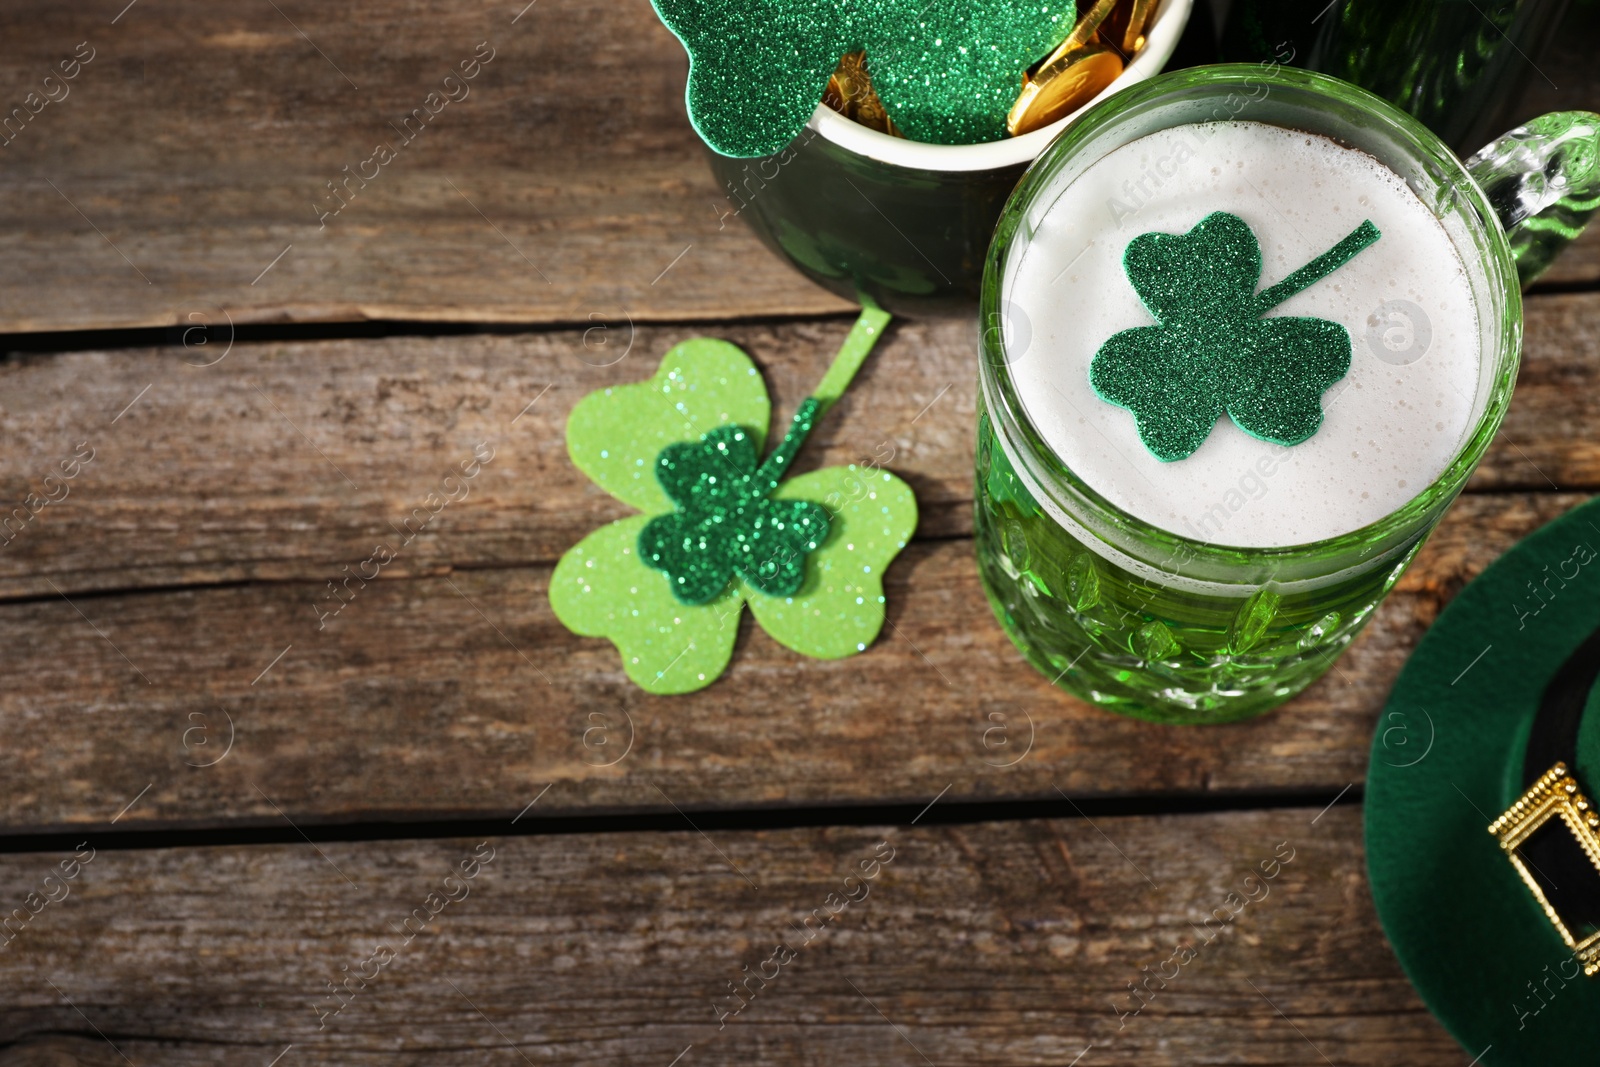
x: 1446, y: 761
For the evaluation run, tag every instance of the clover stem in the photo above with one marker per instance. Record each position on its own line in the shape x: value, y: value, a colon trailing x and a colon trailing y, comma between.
x: 863, y: 335
x: 857, y: 346
x: 771, y: 472
x: 1317, y: 269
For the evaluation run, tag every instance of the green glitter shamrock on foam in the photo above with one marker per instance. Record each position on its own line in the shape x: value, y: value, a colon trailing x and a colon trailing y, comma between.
x: 1212, y: 351
x: 719, y: 531
x: 947, y: 72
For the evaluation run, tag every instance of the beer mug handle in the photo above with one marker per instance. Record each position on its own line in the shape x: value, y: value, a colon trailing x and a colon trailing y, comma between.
x: 1543, y: 180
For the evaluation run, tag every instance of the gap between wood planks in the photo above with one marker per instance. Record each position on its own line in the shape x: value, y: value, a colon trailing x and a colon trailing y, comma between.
x: 143, y: 337
x: 363, y: 329
x: 949, y: 813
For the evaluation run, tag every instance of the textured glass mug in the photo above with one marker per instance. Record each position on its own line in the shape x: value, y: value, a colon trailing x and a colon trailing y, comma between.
x: 1174, y: 629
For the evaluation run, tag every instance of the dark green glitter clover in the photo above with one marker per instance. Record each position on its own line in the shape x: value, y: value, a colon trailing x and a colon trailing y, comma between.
x: 726, y: 523
x: 1213, y: 352
x: 947, y: 72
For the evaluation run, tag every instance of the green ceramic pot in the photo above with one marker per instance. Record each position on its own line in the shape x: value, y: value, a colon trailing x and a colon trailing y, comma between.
x: 907, y: 224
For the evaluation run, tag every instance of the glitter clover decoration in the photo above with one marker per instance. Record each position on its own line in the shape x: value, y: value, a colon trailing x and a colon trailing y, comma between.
x: 719, y: 531
x: 1212, y: 352
x: 726, y: 523
x: 947, y: 72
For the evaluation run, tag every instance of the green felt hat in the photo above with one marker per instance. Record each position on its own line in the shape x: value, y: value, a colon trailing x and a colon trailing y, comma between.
x: 1448, y: 760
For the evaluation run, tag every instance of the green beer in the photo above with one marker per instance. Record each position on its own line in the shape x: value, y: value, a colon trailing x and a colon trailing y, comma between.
x: 1213, y: 586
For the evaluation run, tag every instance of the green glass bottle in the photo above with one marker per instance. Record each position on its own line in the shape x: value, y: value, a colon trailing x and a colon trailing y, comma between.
x: 1457, y: 65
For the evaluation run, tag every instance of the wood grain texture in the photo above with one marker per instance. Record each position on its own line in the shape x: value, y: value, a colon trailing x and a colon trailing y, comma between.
x: 1579, y: 266
x: 460, y: 694
x: 290, y: 461
x: 1549, y: 439
x: 168, y: 670
x: 192, y: 149
x: 197, y: 544
x: 995, y: 943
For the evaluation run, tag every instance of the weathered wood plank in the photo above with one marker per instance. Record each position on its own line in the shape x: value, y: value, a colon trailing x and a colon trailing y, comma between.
x: 619, y: 949
x: 461, y: 694
x: 1549, y: 439
x: 1579, y: 265
x: 197, y: 140
x: 291, y: 461
x: 189, y: 152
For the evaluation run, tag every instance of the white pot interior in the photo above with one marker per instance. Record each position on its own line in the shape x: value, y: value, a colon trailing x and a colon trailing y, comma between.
x: 1161, y: 38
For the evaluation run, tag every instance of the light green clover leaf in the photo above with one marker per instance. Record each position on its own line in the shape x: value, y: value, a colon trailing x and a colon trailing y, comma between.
x: 702, y: 393
x: 614, y: 435
x: 600, y: 589
x: 839, y: 609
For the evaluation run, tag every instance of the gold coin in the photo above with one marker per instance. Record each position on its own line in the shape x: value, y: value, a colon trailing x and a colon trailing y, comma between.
x: 848, y: 82
x: 851, y: 94
x: 1081, y: 32
x: 1062, y: 86
x: 1124, y: 28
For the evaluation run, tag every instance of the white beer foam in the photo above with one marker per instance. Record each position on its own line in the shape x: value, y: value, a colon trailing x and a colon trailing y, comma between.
x: 1390, y: 427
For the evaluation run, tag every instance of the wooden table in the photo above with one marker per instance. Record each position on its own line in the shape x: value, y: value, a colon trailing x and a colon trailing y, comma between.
x: 268, y: 388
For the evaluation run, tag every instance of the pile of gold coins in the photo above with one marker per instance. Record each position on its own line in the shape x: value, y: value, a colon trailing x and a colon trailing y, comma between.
x: 1100, y: 46
x: 851, y: 94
